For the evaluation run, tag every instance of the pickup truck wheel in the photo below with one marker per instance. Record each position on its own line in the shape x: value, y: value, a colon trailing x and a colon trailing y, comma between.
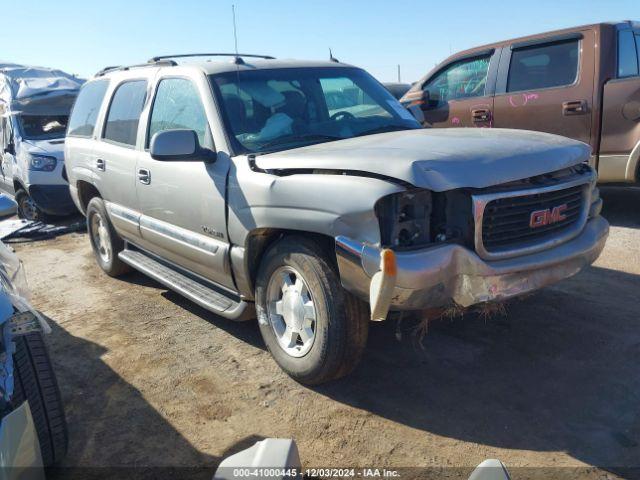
x: 315, y: 330
x: 35, y: 382
x: 27, y: 208
x: 105, y: 241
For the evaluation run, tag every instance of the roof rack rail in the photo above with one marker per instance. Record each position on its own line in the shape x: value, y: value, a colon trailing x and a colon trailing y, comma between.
x: 237, y: 56
x: 158, y: 63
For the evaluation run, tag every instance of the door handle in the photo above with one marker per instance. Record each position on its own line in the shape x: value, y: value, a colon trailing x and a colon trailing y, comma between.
x: 144, y: 176
x: 575, y: 107
x: 481, y: 115
x: 101, y: 165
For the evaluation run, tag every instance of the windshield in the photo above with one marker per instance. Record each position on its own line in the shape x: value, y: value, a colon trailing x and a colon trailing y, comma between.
x: 271, y: 110
x: 43, y: 127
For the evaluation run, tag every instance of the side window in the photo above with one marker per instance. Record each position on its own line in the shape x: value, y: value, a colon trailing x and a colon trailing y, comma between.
x: 178, y: 106
x: 544, y: 66
x: 463, y: 79
x: 627, y: 56
x: 86, y: 108
x: 124, y: 112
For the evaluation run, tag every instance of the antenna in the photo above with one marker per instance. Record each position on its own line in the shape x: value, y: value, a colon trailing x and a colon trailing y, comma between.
x: 332, y: 58
x: 399, y: 81
x: 238, y: 60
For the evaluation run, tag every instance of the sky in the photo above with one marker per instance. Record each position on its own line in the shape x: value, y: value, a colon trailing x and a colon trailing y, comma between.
x: 83, y: 36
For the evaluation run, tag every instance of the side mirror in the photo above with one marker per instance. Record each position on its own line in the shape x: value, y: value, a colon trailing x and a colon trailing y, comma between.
x: 177, y: 145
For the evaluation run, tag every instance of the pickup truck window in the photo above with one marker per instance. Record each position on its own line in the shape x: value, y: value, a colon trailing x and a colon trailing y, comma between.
x: 177, y: 105
x: 544, y: 66
x: 278, y: 109
x: 463, y: 79
x: 124, y: 112
x: 86, y: 108
x: 627, y: 55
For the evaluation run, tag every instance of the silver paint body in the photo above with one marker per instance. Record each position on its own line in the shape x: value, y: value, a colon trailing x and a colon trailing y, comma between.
x: 182, y: 215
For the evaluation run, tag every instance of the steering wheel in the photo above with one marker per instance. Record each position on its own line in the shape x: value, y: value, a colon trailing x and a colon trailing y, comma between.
x: 341, y: 115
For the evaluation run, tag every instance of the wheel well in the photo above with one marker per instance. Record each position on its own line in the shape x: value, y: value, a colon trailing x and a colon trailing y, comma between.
x: 86, y: 191
x: 261, y: 239
x: 17, y: 185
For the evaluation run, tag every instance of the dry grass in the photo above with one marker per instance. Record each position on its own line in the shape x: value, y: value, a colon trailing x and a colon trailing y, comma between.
x: 485, y: 311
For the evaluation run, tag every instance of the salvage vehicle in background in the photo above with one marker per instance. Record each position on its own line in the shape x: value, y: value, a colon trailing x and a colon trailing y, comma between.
x: 34, y: 109
x: 582, y: 83
x: 305, y: 190
x: 33, y: 431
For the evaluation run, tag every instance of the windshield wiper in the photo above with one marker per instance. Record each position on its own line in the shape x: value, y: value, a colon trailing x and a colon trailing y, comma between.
x: 301, y: 137
x: 383, y: 129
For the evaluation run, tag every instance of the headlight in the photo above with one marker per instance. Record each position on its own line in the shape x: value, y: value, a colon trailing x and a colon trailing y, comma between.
x: 42, y: 163
x: 405, y: 219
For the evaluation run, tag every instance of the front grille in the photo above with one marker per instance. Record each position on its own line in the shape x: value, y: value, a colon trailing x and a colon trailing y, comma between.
x: 505, y: 223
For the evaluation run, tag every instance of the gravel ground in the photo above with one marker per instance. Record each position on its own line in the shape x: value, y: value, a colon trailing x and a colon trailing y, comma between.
x: 149, y: 379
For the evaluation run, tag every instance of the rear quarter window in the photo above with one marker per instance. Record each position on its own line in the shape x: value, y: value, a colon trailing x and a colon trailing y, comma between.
x: 84, y: 115
x: 544, y: 66
x: 627, y: 56
x: 124, y: 112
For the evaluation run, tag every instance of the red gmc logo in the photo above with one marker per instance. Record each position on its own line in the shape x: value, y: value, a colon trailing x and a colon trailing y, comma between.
x: 540, y: 218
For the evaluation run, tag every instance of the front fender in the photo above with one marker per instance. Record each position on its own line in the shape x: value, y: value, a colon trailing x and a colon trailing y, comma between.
x: 327, y: 204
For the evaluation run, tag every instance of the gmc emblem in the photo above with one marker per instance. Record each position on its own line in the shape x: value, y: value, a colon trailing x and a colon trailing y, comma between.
x: 549, y: 216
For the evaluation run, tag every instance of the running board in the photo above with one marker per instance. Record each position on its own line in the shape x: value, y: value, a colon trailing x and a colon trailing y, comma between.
x: 206, y: 297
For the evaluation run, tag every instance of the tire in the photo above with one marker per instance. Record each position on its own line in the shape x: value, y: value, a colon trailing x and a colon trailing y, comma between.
x: 105, y: 241
x: 27, y: 208
x: 341, y: 322
x: 36, y: 383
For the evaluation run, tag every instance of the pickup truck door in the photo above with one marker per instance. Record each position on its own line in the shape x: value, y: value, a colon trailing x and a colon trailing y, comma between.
x: 183, y: 202
x: 461, y: 92
x: 547, y: 85
x: 621, y: 114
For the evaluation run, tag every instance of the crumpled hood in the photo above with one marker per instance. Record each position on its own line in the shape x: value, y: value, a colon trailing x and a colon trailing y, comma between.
x: 440, y: 159
x: 52, y: 148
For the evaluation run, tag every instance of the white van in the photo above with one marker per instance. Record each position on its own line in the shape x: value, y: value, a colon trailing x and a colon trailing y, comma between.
x: 34, y: 109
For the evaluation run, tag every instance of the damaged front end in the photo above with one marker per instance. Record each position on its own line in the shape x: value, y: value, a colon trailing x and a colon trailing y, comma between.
x: 469, y: 246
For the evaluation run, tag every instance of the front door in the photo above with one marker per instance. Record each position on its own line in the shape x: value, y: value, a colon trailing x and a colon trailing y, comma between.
x: 461, y: 93
x: 183, y: 202
x: 547, y: 86
x: 7, y: 154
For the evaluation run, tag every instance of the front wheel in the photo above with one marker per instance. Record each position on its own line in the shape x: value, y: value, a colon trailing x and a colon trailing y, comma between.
x: 27, y: 208
x: 315, y: 330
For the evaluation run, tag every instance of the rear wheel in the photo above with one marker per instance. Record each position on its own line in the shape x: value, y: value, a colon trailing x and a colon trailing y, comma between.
x: 35, y: 382
x: 27, y: 208
x: 105, y: 241
x: 315, y: 330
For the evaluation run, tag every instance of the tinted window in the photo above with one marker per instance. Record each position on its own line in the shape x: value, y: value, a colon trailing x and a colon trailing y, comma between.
x: 544, y: 66
x: 178, y: 105
x: 464, y: 79
x: 627, y: 57
x: 86, y: 108
x: 124, y: 112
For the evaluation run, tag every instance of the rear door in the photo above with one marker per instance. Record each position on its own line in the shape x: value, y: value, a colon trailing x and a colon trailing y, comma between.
x: 621, y: 112
x: 183, y: 202
x: 547, y: 85
x: 116, y: 155
x: 461, y: 92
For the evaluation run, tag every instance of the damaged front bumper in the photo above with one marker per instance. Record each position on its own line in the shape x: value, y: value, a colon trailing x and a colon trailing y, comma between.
x: 440, y: 275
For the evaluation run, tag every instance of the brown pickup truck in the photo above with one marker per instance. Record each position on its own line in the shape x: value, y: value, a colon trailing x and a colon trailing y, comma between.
x: 581, y: 82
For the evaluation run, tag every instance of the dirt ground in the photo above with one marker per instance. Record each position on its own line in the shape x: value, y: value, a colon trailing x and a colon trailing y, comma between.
x: 150, y: 379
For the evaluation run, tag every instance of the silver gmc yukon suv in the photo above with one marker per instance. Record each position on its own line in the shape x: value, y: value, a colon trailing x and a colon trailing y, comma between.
x: 304, y: 193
